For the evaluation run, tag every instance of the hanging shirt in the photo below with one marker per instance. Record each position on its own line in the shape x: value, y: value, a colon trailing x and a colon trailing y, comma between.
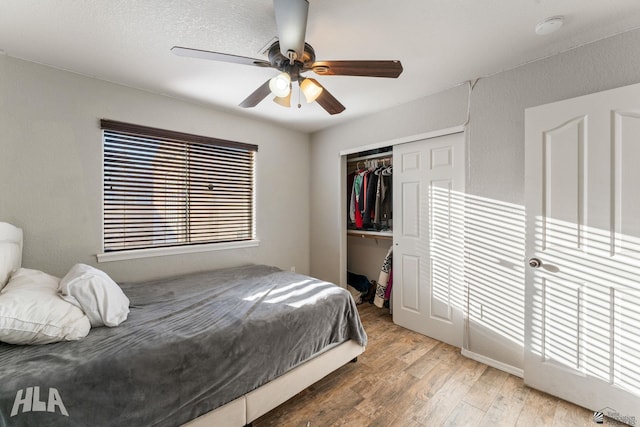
x: 350, y: 178
x: 357, y: 190
x: 370, y: 201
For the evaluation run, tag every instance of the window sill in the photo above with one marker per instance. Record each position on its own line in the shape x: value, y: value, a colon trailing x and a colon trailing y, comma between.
x: 173, y: 250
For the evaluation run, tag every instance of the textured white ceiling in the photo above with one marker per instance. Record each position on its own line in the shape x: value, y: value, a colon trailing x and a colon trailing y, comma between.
x: 441, y: 43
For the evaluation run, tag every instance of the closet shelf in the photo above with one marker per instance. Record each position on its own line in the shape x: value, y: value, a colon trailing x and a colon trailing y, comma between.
x: 385, y: 235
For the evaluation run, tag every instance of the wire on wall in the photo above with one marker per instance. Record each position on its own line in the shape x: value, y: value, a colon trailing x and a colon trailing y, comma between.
x: 466, y: 338
x: 471, y: 84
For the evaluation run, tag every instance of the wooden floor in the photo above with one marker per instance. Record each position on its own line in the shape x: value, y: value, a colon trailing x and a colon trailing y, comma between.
x: 407, y: 379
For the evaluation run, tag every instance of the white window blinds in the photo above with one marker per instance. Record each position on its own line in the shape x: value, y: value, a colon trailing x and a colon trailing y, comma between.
x: 164, y: 188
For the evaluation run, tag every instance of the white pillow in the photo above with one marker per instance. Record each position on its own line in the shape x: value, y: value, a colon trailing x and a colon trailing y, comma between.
x: 32, y: 312
x: 96, y: 294
x: 10, y: 251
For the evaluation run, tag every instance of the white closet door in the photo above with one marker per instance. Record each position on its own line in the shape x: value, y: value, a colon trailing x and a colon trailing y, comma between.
x: 428, y: 274
x: 582, y: 303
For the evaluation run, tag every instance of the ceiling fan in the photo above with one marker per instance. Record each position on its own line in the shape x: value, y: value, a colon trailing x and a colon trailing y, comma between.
x: 293, y: 57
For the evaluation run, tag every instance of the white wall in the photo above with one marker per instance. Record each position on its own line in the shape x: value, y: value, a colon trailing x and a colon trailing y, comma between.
x: 495, y: 174
x: 50, y: 171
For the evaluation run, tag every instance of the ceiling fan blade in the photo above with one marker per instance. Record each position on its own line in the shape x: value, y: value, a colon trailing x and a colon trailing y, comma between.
x: 216, y: 56
x: 327, y: 101
x: 291, y: 20
x: 258, y: 95
x: 391, y: 69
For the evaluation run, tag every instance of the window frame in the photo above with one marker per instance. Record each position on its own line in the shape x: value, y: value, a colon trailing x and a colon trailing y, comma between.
x: 182, y: 248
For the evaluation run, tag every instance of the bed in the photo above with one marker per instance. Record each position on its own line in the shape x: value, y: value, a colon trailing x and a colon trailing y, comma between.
x: 216, y: 348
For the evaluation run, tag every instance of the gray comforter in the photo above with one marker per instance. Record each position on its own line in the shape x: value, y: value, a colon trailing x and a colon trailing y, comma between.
x: 190, y: 344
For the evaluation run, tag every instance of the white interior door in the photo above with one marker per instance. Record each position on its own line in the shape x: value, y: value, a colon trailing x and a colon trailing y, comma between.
x: 428, y: 254
x: 582, y: 339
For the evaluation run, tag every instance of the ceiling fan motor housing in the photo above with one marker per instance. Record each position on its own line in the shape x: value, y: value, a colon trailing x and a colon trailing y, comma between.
x: 282, y: 63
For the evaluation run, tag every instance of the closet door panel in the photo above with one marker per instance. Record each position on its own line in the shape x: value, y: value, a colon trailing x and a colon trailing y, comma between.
x: 411, y: 161
x: 440, y: 290
x: 410, y: 291
x: 411, y: 210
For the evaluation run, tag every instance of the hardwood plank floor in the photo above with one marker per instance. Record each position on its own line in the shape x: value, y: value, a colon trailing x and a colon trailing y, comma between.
x: 409, y: 380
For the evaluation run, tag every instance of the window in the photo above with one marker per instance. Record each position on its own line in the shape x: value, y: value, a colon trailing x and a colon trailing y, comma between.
x: 164, y: 188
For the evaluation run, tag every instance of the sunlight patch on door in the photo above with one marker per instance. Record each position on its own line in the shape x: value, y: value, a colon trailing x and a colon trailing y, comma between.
x: 562, y: 320
x: 626, y: 372
x: 440, y: 290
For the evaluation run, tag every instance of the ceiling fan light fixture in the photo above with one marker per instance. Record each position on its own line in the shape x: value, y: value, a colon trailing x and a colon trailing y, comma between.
x: 284, y: 101
x: 310, y: 90
x: 280, y: 85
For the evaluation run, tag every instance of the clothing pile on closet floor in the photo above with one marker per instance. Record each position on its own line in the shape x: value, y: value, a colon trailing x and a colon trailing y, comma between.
x: 361, y: 288
x: 377, y: 293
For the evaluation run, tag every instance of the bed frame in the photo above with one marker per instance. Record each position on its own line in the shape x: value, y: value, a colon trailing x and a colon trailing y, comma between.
x: 248, y: 408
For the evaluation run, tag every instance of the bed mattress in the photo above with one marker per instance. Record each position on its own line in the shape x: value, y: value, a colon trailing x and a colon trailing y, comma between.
x: 190, y: 344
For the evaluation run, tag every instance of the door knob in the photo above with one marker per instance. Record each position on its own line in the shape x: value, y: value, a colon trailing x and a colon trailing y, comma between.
x: 535, y: 262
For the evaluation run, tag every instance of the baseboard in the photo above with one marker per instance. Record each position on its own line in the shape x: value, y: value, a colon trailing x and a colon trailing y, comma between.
x: 493, y: 363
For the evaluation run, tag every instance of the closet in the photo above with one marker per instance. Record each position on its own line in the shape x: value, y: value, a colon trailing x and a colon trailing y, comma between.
x: 369, y: 219
x: 424, y: 228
